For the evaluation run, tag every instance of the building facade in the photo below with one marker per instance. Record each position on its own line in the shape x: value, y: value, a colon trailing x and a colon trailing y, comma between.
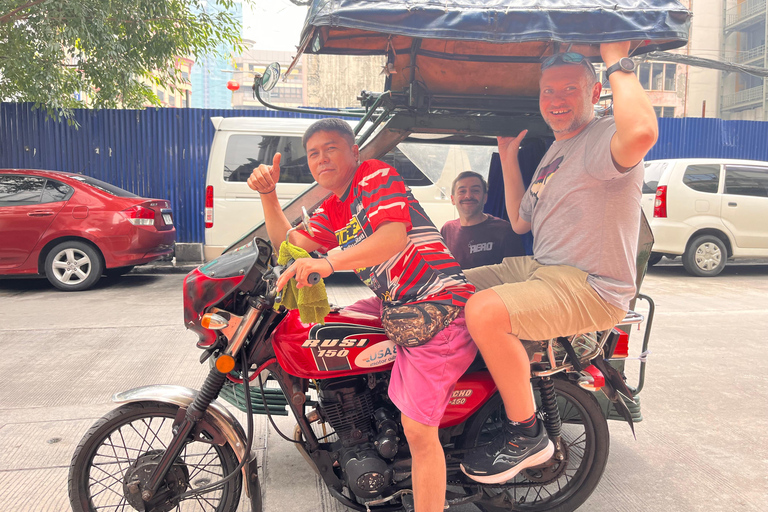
x: 179, y: 94
x: 743, y: 42
x: 211, y: 73
x: 288, y: 92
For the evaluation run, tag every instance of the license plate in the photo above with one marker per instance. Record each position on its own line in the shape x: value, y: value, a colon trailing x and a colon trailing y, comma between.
x: 168, y: 219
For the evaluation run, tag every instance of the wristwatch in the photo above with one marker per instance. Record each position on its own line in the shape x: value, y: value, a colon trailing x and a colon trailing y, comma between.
x: 625, y: 64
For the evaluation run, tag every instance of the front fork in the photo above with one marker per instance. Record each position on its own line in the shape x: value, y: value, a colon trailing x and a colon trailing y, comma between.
x: 552, y: 420
x: 182, y: 432
x: 208, y: 393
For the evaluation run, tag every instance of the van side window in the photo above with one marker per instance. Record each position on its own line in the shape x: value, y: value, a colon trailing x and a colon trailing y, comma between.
x: 746, y: 181
x: 704, y: 178
x: 410, y: 173
x: 653, y: 171
x: 246, y: 152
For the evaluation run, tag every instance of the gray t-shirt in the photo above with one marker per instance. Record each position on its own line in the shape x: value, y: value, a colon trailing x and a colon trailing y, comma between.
x: 585, y: 213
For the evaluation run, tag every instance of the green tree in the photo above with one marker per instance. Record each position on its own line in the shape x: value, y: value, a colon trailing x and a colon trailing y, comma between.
x: 51, y: 50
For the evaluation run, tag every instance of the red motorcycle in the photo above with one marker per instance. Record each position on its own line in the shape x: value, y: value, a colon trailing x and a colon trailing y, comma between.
x: 174, y: 448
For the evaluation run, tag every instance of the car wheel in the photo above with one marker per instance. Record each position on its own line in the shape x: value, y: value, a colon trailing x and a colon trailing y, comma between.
x: 118, y: 271
x: 705, y: 256
x: 73, y: 266
x: 655, y: 258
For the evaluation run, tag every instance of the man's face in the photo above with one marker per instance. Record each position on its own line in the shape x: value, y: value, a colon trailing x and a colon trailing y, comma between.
x: 566, y: 99
x: 468, y: 196
x: 332, y: 160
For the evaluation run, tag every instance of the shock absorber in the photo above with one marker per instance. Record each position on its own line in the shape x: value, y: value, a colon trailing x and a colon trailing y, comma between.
x: 549, y: 405
x: 208, y: 393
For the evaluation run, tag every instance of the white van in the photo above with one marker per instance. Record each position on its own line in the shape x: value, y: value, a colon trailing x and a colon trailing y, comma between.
x: 241, y: 144
x: 707, y: 210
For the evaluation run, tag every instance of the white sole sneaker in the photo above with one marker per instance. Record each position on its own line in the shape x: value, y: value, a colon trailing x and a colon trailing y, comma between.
x: 499, y: 478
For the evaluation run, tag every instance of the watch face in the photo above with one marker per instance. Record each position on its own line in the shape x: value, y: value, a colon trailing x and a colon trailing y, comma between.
x: 627, y: 64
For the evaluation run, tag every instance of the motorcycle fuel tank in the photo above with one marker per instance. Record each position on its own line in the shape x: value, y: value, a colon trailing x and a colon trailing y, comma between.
x: 347, y: 344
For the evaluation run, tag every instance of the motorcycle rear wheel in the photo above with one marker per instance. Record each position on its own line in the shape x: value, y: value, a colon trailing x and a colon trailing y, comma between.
x: 584, y: 433
x: 114, y: 443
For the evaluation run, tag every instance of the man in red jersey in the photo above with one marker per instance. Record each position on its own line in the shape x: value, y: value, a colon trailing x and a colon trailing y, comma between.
x: 388, y: 240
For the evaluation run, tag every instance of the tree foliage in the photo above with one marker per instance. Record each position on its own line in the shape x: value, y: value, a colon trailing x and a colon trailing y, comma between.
x: 52, y: 51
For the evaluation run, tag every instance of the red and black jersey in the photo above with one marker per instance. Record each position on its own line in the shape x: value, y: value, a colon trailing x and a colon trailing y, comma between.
x: 423, y: 271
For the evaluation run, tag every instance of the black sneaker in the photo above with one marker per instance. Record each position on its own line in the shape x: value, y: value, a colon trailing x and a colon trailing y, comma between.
x: 506, y: 455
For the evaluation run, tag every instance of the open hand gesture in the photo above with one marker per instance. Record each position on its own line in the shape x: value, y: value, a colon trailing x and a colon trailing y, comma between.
x: 264, y: 178
x: 509, y: 146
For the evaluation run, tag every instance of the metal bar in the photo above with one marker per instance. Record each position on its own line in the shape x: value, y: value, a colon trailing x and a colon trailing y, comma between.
x: 375, y: 125
x: 306, y: 110
x: 370, y: 112
x: 646, y: 338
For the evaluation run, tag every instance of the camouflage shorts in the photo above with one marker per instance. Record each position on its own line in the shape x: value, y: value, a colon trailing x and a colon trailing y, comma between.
x: 411, y: 325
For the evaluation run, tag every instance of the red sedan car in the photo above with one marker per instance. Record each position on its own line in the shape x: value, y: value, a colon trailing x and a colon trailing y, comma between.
x: 73, y: 228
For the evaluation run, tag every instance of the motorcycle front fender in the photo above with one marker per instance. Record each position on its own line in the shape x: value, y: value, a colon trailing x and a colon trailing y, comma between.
x: 219, y: 417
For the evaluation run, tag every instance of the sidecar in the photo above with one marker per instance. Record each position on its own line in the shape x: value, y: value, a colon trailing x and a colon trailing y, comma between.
x: 459, y: 73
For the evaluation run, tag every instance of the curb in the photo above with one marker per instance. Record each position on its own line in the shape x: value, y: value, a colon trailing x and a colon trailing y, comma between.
x: 165, y: 268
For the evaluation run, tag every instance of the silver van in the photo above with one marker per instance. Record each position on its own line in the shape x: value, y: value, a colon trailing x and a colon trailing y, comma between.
x: 241, y: 144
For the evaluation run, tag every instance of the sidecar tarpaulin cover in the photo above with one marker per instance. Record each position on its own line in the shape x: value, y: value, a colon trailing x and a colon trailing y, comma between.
x: 485, y: 46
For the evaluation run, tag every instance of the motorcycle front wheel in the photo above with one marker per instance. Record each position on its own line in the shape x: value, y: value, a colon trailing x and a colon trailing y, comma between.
x: 133, y: 435
x: 563, y: 486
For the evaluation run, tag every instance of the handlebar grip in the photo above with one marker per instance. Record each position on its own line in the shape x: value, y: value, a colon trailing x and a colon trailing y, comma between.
x: 313, y: 278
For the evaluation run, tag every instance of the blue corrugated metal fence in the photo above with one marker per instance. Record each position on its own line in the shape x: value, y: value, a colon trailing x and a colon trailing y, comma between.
x: 156, y: 153
x: 163, y: 153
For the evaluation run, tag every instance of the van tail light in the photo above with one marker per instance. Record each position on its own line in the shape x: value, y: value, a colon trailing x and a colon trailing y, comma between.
x: 209, y: 206
x: 660, y: 203
x: 140, y: 216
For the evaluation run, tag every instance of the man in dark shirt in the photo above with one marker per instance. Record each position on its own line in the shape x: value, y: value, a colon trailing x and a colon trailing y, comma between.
x: 476, y: 238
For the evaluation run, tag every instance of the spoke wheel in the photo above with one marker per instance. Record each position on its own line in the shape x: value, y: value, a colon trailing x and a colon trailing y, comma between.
x: 116, y: 447
x: 557, y: 486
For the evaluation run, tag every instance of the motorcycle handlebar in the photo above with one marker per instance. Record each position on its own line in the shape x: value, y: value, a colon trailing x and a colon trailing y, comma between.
x: 277, y: 270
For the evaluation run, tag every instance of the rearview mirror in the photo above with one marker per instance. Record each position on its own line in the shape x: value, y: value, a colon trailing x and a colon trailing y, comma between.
x: 270, y: 77
x: 303, y: 224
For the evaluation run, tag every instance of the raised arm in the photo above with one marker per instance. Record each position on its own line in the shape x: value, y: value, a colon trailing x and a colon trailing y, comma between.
x: 264, y: 180
x: 636, y: 125
x: 513, y: 180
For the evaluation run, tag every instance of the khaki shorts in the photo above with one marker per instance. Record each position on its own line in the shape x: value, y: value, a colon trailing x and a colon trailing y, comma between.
x: 545, y: 301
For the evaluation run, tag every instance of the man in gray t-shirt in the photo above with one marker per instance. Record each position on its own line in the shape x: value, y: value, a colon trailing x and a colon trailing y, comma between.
x: 583, y: 208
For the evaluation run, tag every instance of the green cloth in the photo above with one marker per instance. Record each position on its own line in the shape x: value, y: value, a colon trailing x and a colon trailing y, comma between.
x: 311, y: 301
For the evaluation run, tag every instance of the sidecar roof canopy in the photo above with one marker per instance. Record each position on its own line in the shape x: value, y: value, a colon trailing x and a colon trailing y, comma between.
x: 485, y: 46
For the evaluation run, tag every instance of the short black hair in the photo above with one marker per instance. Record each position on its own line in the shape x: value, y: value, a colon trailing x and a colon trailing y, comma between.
x: 469, y: 174
x: 329, y: 124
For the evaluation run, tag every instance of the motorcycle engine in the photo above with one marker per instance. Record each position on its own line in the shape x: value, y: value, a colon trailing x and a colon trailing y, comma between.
x: 367, y: 435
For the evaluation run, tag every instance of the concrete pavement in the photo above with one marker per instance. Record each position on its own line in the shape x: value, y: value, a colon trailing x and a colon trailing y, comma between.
x: 700, y: 447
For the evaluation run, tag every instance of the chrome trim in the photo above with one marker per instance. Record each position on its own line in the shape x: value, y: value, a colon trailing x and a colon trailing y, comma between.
x: 632, y: 318
x: 243, y: 330
x: 183, y: 396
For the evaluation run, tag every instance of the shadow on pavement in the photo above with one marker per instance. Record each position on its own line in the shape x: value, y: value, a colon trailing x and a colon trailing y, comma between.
x: 41, y: 284
x: 672, y: 269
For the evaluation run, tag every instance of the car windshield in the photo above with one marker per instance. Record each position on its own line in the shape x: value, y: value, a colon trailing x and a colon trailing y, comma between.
x: 653, y: 172
x: 103, y: 186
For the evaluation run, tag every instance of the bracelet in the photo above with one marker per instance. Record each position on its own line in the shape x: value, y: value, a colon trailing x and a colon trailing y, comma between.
x: 270, y: 191
x: 331, y: 264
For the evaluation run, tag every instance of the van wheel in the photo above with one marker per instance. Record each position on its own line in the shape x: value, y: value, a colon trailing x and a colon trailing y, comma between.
x: 705, y: 256
x: 73, y: 266
x: 655, y: 258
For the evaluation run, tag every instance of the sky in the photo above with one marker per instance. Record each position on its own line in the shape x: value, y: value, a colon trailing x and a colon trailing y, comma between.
x: 273, y: 24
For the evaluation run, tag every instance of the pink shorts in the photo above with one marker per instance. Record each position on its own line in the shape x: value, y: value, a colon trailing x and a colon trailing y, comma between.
x: 423, y: 377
